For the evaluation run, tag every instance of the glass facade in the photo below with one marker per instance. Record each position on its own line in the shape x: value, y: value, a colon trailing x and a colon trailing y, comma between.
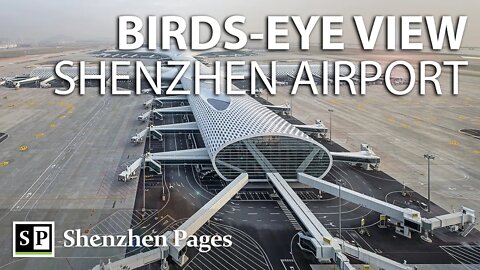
x: 272, y: 153
x: 243, y: 136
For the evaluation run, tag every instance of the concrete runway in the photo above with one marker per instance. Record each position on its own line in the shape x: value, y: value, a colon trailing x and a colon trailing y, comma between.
x: 73, y: 149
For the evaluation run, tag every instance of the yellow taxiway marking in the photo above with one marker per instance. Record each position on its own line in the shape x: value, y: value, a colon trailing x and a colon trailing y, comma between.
x: 361, y: 107
x: 333, y: 101
x: 391, y: 119
x: 40, y: 135
x: 30, y: 103
x: 23, y: 148
x: 52, y: 125
x: 4, y: 163
x: 476, y: 152
x: 69, y: 106
x: 430, y: 119
x: 454, y: 142
x: 403, y: 125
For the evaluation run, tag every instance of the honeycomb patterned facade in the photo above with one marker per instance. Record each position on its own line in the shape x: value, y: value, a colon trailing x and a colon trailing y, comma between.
x: 242, y: 135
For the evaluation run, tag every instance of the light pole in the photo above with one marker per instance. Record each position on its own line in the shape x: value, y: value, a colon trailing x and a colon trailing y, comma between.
x: 144, y: 171
x: 428, y: 157
x: 148, y: 136
x: 330, y: 111
x: 291, y: 105
x: 149, y: 131
x: 340, y: 210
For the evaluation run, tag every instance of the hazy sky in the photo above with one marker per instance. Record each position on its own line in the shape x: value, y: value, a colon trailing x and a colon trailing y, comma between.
x: 96, y: 19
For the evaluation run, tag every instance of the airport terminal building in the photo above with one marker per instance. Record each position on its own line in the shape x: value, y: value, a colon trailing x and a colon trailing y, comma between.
x: 243, y: 136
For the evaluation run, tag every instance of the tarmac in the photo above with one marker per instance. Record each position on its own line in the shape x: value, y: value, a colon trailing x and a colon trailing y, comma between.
x: 60, y: 162
x: 61, y: 157
x: 402, y: 129
x: 269, y: 225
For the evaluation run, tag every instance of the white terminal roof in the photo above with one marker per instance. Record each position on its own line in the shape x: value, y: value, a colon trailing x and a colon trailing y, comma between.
x: 240, y: 123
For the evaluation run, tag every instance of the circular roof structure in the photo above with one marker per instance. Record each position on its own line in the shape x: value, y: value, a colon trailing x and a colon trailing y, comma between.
x: 242, y: 135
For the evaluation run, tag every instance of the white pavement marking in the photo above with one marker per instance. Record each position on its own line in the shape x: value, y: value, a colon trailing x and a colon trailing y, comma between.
x: 290, y: 216
x: 25, y: 197
x: 468, y: 256
x: 244, y: 254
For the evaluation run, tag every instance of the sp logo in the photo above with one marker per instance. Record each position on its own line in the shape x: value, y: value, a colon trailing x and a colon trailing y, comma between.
x: 33, y: 239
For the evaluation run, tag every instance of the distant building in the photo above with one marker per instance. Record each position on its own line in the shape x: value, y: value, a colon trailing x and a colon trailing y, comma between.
x: 8, y: 45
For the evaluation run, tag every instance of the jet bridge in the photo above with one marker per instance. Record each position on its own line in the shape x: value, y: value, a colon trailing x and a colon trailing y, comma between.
x: 407, y: 220
x: 46, y: 83
x: 325, y: 247
x: 139, y: 137
x: 153, y: 165
x: 158, y: 131
x: 147, y: 103
x: 174, y: 110
x: 131, y: 171
x: 145, y: 116
x: 18, y: 84
x: 365, y: 157
x: 465, y: 219
x: 171, y: 110
x: 284, y: 109
x: 190, y: 226
x: 173, y: 98
x: 181, y: 157
x: 371, y: 258
x: 146, y: 91
x: 318, y: 128
x: 160, y: 100
x: 187, y: 127
x: 155, y: 160
x: 182, y: 98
